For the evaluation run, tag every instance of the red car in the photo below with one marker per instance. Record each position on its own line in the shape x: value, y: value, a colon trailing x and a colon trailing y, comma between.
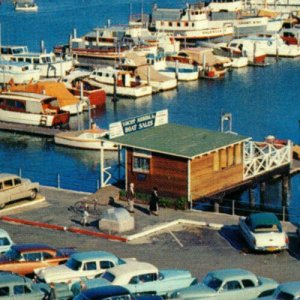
x: 24, y: 258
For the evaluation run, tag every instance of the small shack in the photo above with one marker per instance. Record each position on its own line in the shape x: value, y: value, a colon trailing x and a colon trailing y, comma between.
x: 183, y: 161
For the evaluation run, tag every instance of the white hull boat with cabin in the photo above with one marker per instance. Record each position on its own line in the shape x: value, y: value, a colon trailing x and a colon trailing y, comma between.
x: 90, y: 139
x: 25, y: 6
x: 32, y: 109
x: 272, y: 45
x: 19, y: 72
x: 124, y: 83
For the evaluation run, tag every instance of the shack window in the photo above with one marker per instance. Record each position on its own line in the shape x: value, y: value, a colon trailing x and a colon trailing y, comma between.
x: 141, y: 161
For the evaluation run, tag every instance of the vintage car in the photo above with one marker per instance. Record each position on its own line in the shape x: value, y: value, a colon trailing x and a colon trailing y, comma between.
x: 24, y: 258
x: 140, y: 278
x: 114, y: 292
x: 285, y: 291
x: 5, y: 241
x: 13, y: 286
x: 13, y: 188
x: 263, y: 232
x: 86, y: 264
x: 233, y: 284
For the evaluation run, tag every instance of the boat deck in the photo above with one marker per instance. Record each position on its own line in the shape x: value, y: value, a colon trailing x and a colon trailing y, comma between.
x: 29, y: 129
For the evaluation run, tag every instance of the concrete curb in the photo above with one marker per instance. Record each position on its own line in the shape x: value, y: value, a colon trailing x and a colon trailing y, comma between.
x: 173, y: 223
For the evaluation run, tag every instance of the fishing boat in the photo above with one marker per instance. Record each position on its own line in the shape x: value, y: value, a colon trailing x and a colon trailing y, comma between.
x: 122, y: 82
x: 32, y: 109
x: 90, y: 139
x: 78, y: 84
x: 19, y: 72
x: 26, y: 6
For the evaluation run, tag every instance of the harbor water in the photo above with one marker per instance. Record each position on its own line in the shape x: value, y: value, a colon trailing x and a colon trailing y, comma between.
x: 262, y: 101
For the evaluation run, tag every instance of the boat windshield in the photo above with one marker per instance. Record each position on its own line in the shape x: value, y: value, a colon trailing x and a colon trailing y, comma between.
x: 74, y: 264
x: 13, y: 254
x: 212, y: 282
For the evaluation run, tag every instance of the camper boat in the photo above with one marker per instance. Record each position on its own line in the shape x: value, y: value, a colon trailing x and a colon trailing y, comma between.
x: 122, y: 82
x: 32, y: 109
x: 19, y: 72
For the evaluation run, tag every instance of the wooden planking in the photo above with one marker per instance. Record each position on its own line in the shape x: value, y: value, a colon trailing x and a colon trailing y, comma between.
x: 168, y: 173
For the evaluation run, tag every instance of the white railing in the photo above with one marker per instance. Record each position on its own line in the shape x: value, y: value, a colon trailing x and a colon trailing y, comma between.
x: 261, y: 157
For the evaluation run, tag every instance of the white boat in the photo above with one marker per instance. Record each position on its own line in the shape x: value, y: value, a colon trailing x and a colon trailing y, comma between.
x: 123, y: 82
x: 32, y: 109
x: 19, y: 72
x: 26, y: 6
x: 271, y: 44
x: 48, y: 64
x: 291, y: 36
x: 91, y: 139
x: 237, y: 57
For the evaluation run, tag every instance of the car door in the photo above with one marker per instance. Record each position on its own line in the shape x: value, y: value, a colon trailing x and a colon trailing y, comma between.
x: 232, y: 290
x: 20, y: 191
x: 23, y: 292
x: 104, y: 265
x: 144, y: 284
x: 89, y: 269
x: 31, y: 261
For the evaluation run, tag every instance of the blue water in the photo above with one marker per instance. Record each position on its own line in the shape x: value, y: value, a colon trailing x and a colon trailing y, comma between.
x: 262, y: 101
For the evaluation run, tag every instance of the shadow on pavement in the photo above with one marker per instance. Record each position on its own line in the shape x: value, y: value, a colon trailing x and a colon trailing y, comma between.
x: 232, y: 234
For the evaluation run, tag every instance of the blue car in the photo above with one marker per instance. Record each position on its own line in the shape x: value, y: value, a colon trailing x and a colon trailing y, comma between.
x: 225, y: 284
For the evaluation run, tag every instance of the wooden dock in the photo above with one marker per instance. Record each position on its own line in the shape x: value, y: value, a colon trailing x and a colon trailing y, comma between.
x: 29, y: 129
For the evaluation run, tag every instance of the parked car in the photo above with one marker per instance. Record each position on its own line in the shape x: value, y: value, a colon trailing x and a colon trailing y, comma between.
x: 115, y: 292
x: 86, y: 264
x: 140, y: 278
x: 233, y: 284
x: 5, y: 241
x: 24, y: 258
x: 263, y: 232
x: 285, y: 291
x: 13, y: 286
x: 12, y: 188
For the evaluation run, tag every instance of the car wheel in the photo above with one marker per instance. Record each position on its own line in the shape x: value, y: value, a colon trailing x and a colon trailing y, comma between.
x: 33, y: 194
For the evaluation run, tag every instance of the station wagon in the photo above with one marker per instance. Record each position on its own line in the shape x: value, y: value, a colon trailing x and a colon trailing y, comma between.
x: 13, y: 187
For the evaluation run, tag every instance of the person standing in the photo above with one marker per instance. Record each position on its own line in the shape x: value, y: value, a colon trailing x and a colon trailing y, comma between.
x: 130, y: 195
x: 153, y: 207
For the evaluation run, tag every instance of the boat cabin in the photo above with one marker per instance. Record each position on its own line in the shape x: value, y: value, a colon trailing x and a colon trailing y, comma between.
x: 35, y: 58
x: 13, y: 50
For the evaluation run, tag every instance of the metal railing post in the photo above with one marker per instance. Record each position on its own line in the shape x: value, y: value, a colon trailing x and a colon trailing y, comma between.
x: 58, y: 181
x: 20, y: 172
x: 233, y: 208
x: 283, y: 213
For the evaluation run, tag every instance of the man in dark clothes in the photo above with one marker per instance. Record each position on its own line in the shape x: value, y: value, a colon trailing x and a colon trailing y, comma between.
x: 153, y: 207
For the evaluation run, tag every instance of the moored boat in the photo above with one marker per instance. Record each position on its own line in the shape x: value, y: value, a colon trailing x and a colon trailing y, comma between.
x: 32, y: 109
x: 90, y: 139
x: 123, y: 83
x: 25, y: 5
x: 19, y: 72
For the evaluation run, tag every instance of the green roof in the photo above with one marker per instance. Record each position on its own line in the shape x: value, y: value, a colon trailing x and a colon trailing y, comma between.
x: 178, y: 140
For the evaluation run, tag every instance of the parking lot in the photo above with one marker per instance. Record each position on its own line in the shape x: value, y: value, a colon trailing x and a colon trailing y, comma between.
x: 196, y: 248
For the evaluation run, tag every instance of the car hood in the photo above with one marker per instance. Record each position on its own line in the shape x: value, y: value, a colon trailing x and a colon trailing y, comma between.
x: 194, y: 292
x: 56, y: 273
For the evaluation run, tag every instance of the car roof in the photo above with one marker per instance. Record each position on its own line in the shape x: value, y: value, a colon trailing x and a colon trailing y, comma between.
x: 30, y: 247
x: 105, y: 291
x: 292, y: 287
x: 3, y: 233
x: 8, y: 277
x: 223, y: 274
x: 131, y: 268
x: 81, y: 256
x: 7, y: 176
x: 265, y: 218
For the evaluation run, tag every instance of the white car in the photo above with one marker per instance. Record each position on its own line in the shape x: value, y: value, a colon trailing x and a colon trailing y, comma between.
x: 5, y: 241
x: 80, y: 265
x: 263, y: 232
x: 285, y: 291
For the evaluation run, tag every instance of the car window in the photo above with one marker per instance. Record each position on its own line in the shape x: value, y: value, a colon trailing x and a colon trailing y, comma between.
x: 4, y: 241
x: 89, y: 266
x: 1, y: 186
x: 106, y: 264
x: 285, y: 296
x: 4, y: 291
x: 74, y: 264
x: 212, y: 282
x: 8, y: 184
x: 248, y: 283
x: 232, y: 285
x: 34, y: 256
x: 134, y: 280
x: 47, y: 255
x: 21, y: 289
x: 108, y: 276
x: 148, y: 277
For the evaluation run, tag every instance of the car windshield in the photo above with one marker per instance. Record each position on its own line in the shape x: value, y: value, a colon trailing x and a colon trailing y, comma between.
x: 267, y: 228
x: 4, y: 241
x: 73, y: 264
x: 212, y: 282
x: 108, y: 276
x: 13, y: 254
